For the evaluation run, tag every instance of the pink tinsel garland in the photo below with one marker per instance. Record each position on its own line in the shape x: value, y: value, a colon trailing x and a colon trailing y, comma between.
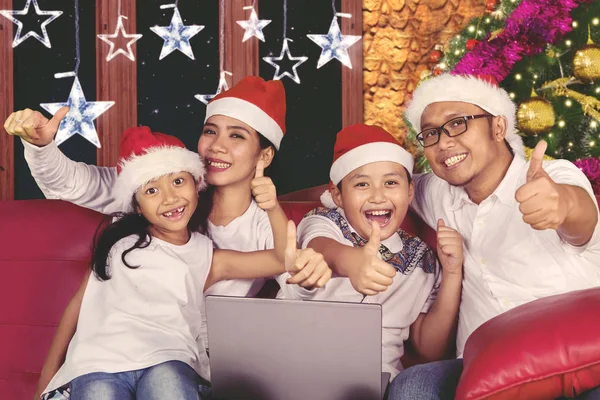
x: 532, y: 25
x: 591, y: 168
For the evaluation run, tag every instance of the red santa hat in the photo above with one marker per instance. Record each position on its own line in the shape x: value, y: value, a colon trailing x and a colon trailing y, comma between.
x: 145, y: 155
x: 358, y: 145
x: 256, y: 102
x: 482, y: 91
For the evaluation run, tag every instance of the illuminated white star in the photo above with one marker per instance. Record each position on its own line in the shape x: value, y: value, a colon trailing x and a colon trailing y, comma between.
x: 120, y: 31
x: 223, y: 87
x: 254, y: 26
x: 334, y: 45
x: 176, y: 36
x: 81, y: 115
x: 18, y: 38
x: 286, y: 51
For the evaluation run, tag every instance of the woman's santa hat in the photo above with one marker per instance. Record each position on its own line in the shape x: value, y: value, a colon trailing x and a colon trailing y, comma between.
x: 256, y: 102
x: 145, y: 155
x: 358, y: 145
x: 482, y: 91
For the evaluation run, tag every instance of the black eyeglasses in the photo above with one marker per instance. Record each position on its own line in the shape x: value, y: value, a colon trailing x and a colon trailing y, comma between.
x: 454, y: 127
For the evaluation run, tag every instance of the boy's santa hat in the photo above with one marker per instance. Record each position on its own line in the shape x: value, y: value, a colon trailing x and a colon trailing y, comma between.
x: 256, y: 102
x: 358, y: 145
x: 145, y: 155
x: 482, y: 91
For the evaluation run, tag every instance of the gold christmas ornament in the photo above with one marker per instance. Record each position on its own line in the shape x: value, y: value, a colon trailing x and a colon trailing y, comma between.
x: 535, y: 116
x: 586, y: 63
x: 529, y: 152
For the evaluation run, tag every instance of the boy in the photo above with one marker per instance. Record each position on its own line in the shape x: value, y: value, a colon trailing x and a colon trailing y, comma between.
x: 370, y: 192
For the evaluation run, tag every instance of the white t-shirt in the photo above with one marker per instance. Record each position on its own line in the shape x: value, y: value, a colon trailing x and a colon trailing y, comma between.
x: 142, y: 316
x: 407, y: 297
x: 91, y: 187
x: 506, y: 262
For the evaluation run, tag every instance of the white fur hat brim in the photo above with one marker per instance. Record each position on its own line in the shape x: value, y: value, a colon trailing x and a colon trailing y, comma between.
x: 466, y: 89
x: 138, y: 170
x: 327, y: 200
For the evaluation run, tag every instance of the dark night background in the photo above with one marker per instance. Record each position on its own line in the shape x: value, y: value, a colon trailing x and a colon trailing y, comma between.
x: 166, y: 87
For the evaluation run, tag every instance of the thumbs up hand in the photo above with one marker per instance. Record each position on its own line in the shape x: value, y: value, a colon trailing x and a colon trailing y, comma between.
x: 370, y: 275
x: 307, y: 267
x: 543, y: 203
x: 263, y: 189
x: 33, y: 127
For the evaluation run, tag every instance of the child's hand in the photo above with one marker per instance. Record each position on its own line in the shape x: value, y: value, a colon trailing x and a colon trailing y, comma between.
x: 370, y: 274
x: 263, y: 189
x: 449, y: 248
x: 307, y: 267
x: 33, y: 127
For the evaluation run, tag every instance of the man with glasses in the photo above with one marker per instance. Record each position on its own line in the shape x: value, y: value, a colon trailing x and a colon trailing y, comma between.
x: 530, y: 229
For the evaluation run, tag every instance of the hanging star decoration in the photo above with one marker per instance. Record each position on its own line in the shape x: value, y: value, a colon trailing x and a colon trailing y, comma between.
x: 285, y: 50
x: 254, y: 26
x: 118, y: 36
x: 223, y: 87
x: 176, y: 36
x: 334, y: 45
x: 18, y: 38
x: 81, y: 116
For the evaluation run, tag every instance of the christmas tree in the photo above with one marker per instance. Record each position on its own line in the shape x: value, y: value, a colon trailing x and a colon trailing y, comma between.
x: 544, y: 54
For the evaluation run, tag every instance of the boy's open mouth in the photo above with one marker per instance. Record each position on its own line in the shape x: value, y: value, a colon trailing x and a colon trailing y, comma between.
x: 174, y: 214
x: 382, y: 217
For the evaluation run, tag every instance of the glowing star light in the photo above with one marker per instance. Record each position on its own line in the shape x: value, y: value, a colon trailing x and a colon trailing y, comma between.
x: 18, y: 38
x: 177, y: 36
x: 120, y: 31
x: 81, y: 116
x: 334, y: 45
x: 254, y: 26
x: 223, y: 87
x: 286, y: 51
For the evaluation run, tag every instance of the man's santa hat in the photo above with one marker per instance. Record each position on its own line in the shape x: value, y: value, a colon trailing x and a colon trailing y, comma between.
x: 145, y: 155
x: 482, y: 91
x: 358, y: 145
x: 256, y: 102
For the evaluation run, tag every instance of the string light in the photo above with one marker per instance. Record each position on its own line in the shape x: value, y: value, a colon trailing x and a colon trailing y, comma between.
x: 592, y: 143
x: 595, y: 21
x: 518, y: 77
x: 597, y: 90
x: 487, y: 20
x: 568, y: 43
x: 511, y: 95
x: 550, y: 134
x: 535, y: 76
x: 457, y: 52
x: 568, y: 103
x: 593, y: 124
x: 471, y: 29
x: 570, y: 144
x: 575, y: 24
x: 561, y: 124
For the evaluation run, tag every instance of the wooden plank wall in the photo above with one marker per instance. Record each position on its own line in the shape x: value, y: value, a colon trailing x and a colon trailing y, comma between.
x: 7, y: 151
x: 116, y: 80
x: 352, y: 79
x: 241, y: 59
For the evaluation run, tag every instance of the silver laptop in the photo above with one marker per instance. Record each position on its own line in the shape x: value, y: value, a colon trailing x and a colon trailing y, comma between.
x: 268, y: 349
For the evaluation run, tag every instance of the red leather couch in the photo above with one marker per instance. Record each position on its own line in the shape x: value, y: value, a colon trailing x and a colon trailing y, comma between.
x: 45, y: 249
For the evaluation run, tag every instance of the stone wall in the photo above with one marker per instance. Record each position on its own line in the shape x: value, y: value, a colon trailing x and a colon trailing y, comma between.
x: 398, y: 37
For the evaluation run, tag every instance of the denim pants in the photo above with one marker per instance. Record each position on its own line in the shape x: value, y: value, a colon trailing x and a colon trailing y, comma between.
x: 431, y: 381
x: 438, y: 381
x: 169, y: 380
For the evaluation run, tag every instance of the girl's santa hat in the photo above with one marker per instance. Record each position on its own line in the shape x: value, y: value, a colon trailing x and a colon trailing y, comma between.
x: 482, y: 91
x: 256, y: 102
x: 145, y: 155
x: 358, y: 145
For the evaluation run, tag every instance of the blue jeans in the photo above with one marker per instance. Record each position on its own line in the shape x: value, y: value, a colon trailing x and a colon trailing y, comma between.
x: 431, y: 381
x: 169, y: 380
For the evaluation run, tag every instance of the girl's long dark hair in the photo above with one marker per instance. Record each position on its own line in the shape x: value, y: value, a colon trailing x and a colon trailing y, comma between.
x: 121, y: 225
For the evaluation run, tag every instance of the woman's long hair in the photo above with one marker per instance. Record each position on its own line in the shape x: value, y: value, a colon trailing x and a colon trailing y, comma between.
x: 121, y: 225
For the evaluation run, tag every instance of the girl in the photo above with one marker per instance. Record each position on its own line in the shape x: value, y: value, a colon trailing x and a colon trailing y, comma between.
x: 140, y: 311
x: 243, y: 128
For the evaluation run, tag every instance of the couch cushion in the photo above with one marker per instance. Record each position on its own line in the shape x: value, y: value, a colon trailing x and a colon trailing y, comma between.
x: 541, y: 350
x: 46, y: 246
